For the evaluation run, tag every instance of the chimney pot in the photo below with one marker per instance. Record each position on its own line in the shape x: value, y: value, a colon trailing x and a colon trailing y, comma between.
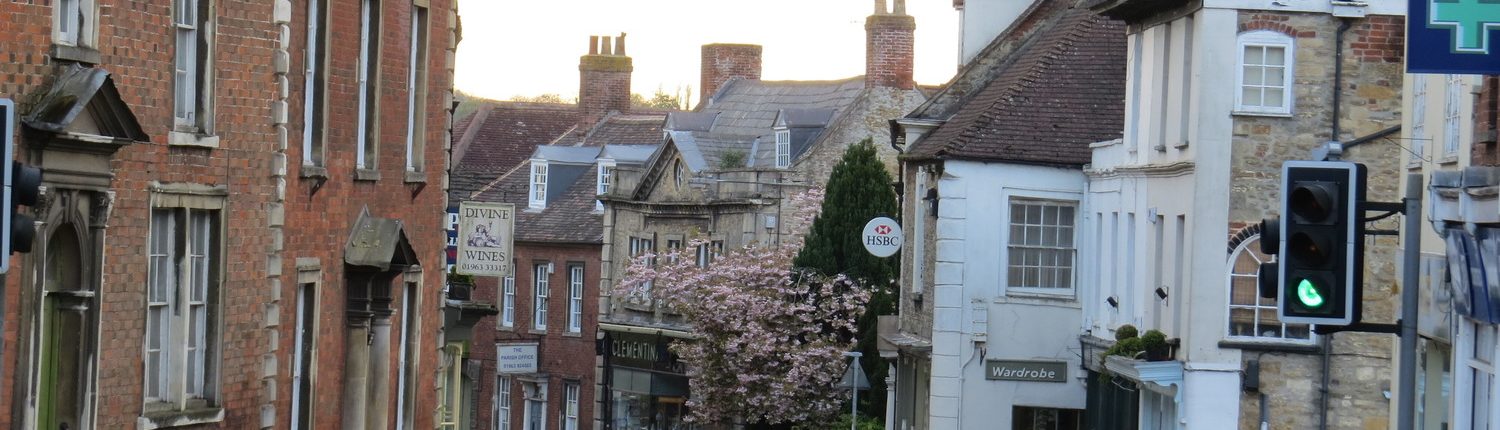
x: 880, y: 7
x: 604, y: 47
x: 593, y: 45
x: 620, y: 44
x: 900, y: 8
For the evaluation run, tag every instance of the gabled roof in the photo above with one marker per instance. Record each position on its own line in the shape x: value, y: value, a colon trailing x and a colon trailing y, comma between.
x: 1061, y: 89
x: 502, y: 136
x: 702, y: 150
x: 749, y: 107
x: 75, y: 89
x: 627, y: 129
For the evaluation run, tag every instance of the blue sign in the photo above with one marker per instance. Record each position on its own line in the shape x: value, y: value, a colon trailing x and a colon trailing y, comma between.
x: 452, y: 230
x: 1453, y: 36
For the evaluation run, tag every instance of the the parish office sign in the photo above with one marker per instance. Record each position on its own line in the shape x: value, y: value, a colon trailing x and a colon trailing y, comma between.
x: 516, y: 358
x: 1020, y: 370
x: 1453, y: 36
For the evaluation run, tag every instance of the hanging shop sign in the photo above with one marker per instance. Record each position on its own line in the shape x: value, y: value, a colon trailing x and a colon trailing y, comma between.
x: 485, y: 238
x: 882, y: 237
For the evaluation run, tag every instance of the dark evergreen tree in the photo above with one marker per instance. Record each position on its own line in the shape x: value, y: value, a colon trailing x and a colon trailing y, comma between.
x: 859, y: 188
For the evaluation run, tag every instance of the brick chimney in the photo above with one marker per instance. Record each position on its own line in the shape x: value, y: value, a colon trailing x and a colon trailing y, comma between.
x: 603, y: 80
x: 725, y: 61
x: 888, y: 47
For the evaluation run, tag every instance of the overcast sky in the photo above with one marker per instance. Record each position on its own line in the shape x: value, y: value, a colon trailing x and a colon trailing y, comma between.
x: 515, y: 47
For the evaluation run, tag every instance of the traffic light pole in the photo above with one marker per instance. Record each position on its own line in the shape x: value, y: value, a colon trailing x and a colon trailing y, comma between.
x: 1411, y: 264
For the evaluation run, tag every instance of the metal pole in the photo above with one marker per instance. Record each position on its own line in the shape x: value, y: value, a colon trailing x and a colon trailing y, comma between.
x: 854, y: 388
x: 1411, y: 260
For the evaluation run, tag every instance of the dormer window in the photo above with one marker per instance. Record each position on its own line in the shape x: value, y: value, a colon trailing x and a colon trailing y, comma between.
x: 606, y: 178
x: 538, y: 198
x: 783, y: 148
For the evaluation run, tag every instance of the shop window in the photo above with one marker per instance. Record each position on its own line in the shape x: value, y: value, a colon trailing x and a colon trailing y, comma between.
x: 1029, y: 418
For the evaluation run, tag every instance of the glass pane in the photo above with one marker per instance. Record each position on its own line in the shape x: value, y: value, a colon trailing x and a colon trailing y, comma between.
x: 1065, y: 237
x: 1243, y: 290
x: 1017, y: 213
x: 1013, y: 276
x: 1034, y: 235
x: 1255, y: 75
x: 1274, y: 98
x: 1275, y: 55
x: 1254, y: 55
x: 1241, y: 322
x: 1065, y: 216
x: 1065, y: 278
x: 1269, y: 325
x: 1017, y: 234
x: 1049, y: 215
x: 1032, y: 257
x: 1298, y: 331
x: 1033, y: 214
x: 1275, y: 76
x: 1032, y: 277
x: 1250, y: 96
x: 1484, y: 344
x: 1048, y: 277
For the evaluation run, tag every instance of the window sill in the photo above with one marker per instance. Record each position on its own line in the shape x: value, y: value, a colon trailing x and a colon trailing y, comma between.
x: 366, y: 175
x: 1238, y: 112
x: 179, y: 418
x: 572, y: 334
x: 81, y: 54
x: 178, y: 138
x: 1033, y: 297
x: 1272, y: 346
x: 535, y: 331
x: 1180, y: 144
x: 416, y: 177
x: 510, y: 328
x: 317, y: 172
x: 1448, y: 159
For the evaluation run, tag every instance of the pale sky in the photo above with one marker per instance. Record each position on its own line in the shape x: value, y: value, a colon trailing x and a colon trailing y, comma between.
x: 530, y: 48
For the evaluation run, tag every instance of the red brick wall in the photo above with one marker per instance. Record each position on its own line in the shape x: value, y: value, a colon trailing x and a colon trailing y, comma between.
x: 562, y: 356
x: 603, y: 86
x: 888, y: 51
x: 321, y: 212
x: 1486, y: 117
x: 1378, y: 39
x: 135, y: 45
x: 724, y: 61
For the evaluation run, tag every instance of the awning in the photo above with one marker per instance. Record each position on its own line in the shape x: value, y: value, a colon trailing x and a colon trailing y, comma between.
x: 378, y: 243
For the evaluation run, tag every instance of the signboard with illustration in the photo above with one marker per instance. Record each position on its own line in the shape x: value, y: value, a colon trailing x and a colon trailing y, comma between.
x: 1453, y: 36
x: 485, y: 238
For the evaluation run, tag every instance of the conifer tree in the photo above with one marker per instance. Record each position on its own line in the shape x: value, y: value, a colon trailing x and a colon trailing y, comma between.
x: 859, y: 188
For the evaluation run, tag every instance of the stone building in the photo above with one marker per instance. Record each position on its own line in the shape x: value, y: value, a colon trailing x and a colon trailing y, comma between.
x: 993, y: 165
x: 1218, y: 96
x: 724, y: 175
x: 229, y: 284
x: 551, y: 161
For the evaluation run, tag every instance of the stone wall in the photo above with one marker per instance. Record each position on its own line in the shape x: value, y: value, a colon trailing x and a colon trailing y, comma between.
x: 1370, y: 101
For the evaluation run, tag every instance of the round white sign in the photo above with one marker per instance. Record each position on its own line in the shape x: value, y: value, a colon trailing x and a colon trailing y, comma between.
x: 882, y: 237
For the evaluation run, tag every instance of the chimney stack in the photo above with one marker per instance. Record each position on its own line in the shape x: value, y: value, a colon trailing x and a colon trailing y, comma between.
x: 603, y: 80
x: 888, y: 47
x: 725, y: 61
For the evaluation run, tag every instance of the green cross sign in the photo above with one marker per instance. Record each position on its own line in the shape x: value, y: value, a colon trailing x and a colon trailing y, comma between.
x: 1470, y: 20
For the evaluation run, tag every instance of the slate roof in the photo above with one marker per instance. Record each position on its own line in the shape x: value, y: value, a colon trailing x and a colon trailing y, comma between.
x: 705, y: 150
x: 1063, y: 89
x: 749, y: 107
x: 495, y: 163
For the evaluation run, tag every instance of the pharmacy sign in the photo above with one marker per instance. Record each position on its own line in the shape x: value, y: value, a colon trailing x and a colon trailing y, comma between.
x: 1453, y: 36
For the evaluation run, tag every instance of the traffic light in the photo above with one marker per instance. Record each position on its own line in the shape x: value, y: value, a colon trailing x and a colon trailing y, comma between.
x: 22, y: 187
x: 1320, y: 243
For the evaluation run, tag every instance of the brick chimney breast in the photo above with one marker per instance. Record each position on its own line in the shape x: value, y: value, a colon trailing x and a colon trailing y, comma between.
x: 888, y: 47
x: 603, y: 80
x: 725, y: 61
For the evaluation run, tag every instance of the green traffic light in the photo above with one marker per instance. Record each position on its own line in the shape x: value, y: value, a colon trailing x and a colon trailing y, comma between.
x: 1308, y: 294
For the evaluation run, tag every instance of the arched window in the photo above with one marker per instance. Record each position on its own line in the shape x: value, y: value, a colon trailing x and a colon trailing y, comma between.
x: 1252, y: 317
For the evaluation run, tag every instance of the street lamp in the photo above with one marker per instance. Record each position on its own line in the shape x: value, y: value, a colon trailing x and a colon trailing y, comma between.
x: 854, y: 380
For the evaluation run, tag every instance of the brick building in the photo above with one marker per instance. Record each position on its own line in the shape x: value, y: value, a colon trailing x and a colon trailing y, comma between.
x: 551, y: 161
x: 217, y: 246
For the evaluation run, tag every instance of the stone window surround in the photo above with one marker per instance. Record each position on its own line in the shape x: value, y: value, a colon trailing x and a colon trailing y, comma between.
x: 203, y: 197
x: 309, y: 273
x: 1265, y: 38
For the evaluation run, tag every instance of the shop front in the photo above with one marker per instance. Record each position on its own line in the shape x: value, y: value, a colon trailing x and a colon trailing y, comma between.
x: 647, y: 385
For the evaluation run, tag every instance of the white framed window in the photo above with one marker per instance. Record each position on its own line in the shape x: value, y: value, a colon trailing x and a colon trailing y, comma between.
x: 540, y: 293
x: 73, y: 22
x: 502, y: 402
x: 538, y: 194
x: 508, y: 293
x: 1040, y: 248
x: 1265, y: 73
x: 575, y: 299
x: 1451, y: 111
x: 1476, y: 402
x: 369, y: 84
x: 314, y: 85
x: 416, y: 91
x: 411, y: 344
x: 181, y: 309
x: 1252, y: 317
x: 783, y: 149
x: 640, y: 246
x: 605, y: 180
x: 189, y: 18
x: 1419, y: 119
x: 570, y: 406
x: 536, y: 405
x: 708, y: 252
x: 679, y: 174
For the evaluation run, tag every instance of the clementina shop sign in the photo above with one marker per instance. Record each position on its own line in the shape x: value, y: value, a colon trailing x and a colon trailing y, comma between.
x: 1033, y: 371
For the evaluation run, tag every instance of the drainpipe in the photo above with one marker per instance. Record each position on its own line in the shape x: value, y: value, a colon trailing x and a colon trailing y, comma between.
x: 1323, y: 391
x: 1338, y: 88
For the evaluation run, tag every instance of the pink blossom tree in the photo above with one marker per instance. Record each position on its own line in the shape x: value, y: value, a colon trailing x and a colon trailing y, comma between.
x: 769, y: 340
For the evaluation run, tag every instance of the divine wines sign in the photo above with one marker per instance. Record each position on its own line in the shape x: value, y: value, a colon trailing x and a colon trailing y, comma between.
x: 882, y: 237
x: 1019, y: 370
x: 485, y: 238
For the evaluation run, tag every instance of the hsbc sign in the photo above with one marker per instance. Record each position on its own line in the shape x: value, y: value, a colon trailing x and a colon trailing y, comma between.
x: 882, y: 237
